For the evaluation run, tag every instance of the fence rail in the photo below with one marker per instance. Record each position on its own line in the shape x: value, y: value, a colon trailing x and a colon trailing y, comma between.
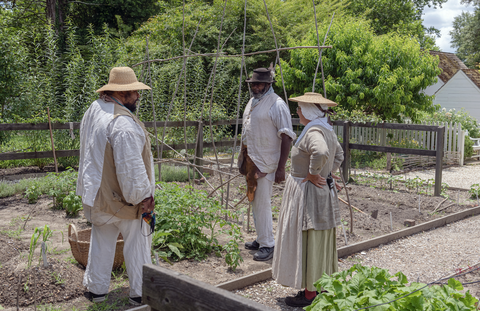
x: 360, y: 136
x: 416, y: 135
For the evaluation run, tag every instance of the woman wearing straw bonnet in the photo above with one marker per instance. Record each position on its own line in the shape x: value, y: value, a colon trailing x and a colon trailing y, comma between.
x: 306, y: 235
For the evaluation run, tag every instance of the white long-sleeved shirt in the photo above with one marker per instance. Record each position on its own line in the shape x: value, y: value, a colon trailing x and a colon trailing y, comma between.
x: 127, y: 139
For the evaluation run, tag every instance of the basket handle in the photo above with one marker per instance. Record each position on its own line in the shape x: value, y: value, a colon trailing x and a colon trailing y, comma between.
x: 72, y: 226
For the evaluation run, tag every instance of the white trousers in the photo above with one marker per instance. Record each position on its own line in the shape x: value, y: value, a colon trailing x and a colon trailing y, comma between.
x: 262, y: 212
x: 136, y: 251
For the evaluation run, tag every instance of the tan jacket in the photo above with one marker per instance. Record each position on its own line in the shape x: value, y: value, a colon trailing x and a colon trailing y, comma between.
x: 318, y: 153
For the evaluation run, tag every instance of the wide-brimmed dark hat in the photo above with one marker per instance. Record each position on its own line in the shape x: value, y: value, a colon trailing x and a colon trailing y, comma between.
x: 261, y: 75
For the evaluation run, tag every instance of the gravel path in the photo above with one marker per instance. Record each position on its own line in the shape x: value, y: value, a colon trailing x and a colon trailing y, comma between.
x: 426, y: 256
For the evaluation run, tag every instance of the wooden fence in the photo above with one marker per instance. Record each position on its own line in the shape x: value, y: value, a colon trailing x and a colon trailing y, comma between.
x: 453, y: 143
x: 376, y: 138
x: 380, y: 146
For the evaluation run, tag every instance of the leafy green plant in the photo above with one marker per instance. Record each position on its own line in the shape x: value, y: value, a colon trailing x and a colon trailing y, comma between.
x: 474, y: 191
x: 32, y: 193
x: 72, y: 204
x: 188, y: 223
x: 360, y: 287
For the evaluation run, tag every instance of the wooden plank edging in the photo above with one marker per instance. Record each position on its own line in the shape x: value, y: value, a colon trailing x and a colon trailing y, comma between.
x: 358, y: 247
x: 164, y: 289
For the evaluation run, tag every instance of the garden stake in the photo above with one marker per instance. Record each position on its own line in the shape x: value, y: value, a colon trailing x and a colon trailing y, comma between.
x: 44, y: 254
x: 348, y: 199
x: 51, y: 139
x: 156, y: 259
x: 214, y: 190
x: 35, y: 289
x: 355, y: 208
x: 18, y: 290
x: 391, y: 221
x: 248, y: 216
x: 419, y: 211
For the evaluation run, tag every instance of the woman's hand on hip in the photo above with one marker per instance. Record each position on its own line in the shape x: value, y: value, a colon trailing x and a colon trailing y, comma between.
x: 317, y: 180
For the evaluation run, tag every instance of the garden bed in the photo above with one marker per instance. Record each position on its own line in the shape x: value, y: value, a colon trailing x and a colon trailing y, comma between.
x: 213, y: 269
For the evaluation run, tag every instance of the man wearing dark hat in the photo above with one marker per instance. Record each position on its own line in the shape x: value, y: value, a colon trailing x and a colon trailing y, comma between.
x: 117, y: 182
x: 266, y: 138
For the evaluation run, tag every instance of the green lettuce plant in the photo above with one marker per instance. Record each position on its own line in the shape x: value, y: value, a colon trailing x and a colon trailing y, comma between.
x: 360, y: 287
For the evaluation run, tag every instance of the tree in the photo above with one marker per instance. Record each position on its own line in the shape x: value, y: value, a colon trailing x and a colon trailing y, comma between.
x: 466, y: 36
x: 377, y: 74
x: 401, y: 16
x: 124, y: 15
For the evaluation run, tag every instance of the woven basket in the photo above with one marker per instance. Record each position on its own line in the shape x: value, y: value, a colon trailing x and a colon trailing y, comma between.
x: 80, y: 245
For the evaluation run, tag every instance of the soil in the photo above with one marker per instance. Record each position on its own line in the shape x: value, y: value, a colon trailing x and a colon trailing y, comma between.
x: 16, y: 213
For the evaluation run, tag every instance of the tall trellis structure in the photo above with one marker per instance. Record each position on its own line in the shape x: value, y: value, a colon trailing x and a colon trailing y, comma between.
x: 146, y: 75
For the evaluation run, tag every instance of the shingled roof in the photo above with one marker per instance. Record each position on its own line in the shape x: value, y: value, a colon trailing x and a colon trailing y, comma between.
x: 451, y: 64
x: 474, y: 75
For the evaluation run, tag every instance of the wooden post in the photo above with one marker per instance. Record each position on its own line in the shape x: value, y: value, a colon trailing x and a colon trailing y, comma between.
x: 346, y: 150
x: 164, y: 289
x: 199, y: 148
x: 461, y: 145
x: 439, y: 155
x: 51, y: 139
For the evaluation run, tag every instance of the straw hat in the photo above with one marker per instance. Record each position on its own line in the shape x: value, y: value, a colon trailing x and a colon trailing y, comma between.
x: 123, y: 79
x: 313, y: 98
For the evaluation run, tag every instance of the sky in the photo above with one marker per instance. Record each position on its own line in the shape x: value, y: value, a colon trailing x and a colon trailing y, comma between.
x: 442, y: 19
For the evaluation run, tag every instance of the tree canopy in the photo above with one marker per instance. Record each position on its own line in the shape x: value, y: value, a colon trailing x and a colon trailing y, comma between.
x: 377, y: 74
x: 466, y: 35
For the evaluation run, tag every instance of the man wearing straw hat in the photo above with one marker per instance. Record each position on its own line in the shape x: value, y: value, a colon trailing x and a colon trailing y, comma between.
x: 116, y: 181
x: 266, y: 138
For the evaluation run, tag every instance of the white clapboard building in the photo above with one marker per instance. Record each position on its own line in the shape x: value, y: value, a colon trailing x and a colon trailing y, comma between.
x: 457, y: 87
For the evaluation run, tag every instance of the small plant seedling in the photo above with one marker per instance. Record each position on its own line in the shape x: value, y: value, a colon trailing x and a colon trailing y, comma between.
x: 71, y: 260
x: 57, y: 278
x: 14, y: 234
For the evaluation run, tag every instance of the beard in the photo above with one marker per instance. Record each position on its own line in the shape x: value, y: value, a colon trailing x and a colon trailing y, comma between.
x: 131, y: 104
x: 259, y: 94
x: 131, y: 107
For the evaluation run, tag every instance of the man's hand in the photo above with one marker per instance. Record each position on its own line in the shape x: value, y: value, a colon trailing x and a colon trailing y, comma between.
x: 317, y: 180
x: 148, y: 205
x: 280, y: 175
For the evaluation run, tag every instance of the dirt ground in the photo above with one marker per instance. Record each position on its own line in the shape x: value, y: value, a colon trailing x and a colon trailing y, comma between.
x: 61, y: 282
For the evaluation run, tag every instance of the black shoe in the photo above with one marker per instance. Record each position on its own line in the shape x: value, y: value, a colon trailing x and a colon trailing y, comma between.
x: 136, y: 301
x: 94, y: 297
x: 252, y: 245
x: 298, y: 300
x: 263, y: 254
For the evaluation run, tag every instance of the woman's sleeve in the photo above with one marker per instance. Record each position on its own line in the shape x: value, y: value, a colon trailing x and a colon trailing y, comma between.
x: 318, y: 150
x: 338, y: 158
